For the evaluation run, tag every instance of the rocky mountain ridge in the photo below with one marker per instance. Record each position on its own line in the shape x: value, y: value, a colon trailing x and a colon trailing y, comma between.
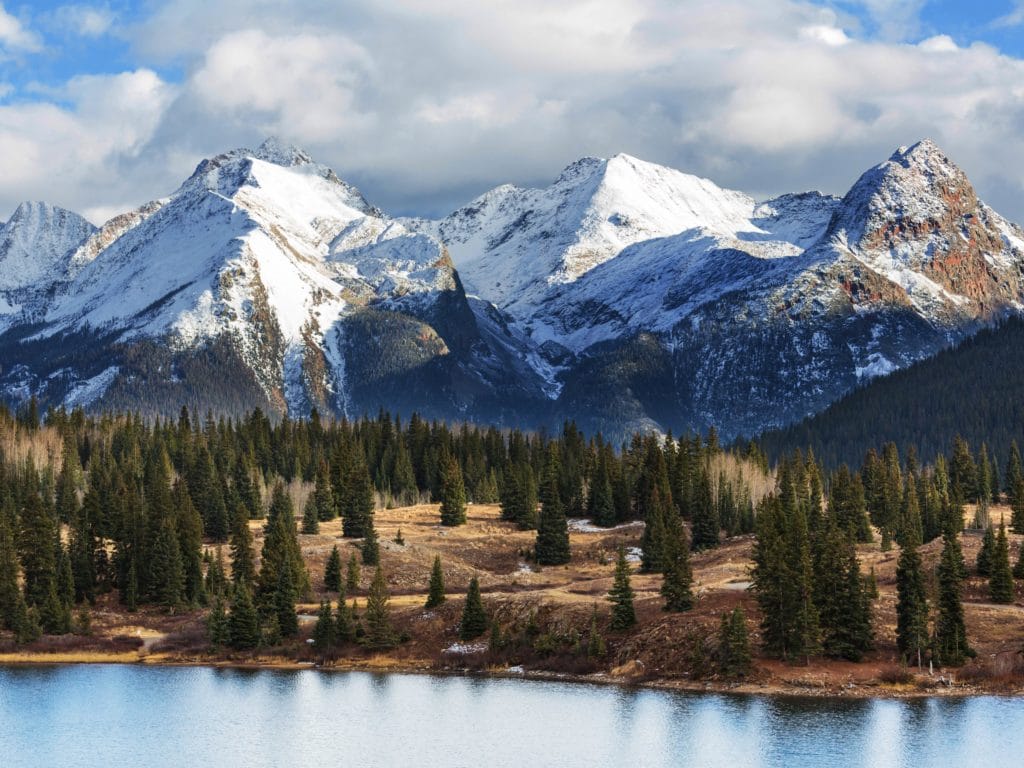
x: 625, y: 295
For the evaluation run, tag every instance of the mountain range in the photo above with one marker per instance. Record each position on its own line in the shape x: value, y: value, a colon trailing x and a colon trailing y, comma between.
x: 625, y: 295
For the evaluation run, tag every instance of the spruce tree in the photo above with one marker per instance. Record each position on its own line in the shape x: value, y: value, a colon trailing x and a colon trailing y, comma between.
x: 379, y: 634
x: 352, y: 575
x: 601, y: 503
x: 243, y: 622
x: 677, y: 583
x: 332, y: 571
x: 1018, y: 567
x: 596, y: 646
x: 243, y: 566
x: 552, y: 545
x: 453, y: 492
x: 911, y: 603
x: 325, y: 631
x: 985, y: 552
x: 474, y: 617
x: 951, y: 648
x: 310, y: 517
x: 1000, y: 584
x: 621, y: 595
x: 435, y: 593
x: 166, y: 572
x: 733, y: 645
x: 217, y: 624
x: 344, y: 622
x: 190, y: 542
x: 370, y: 549
x: 284, y: 602
x: 706, y: 523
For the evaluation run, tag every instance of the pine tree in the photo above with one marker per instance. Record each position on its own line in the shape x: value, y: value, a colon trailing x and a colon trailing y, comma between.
x: 1018, y: 567
x: 950, y: 646
x: 243, y: 566
x: 601, y: 503
x: 676, y: 586
x: 166, y: 572
x: 323, y: 496
x: 621, y: 595
x: 190, y: 543
x: 988, y: 544
x: 379, y: 633
x: 596, y: 646
x: 733, y: 645
x: 243, y: 622
x: 284, y: 602
x: 840, y: 597
x: 435, y: 594
x: 552, y: 545
x: 453, y: 492
x: 310, y: 517
x: 281, y: 553
x: 474, y: 617
x: 352, y: 574
x: 217, y: 625
x: 344, y: 622
x: 706, y: 523
x: 1000, y: 585
x: 370, y: 549
x: 911, y: 603
x: 356, y: 495
x: 1014, y: 477
x: 12, y: 603
x: 325, y: 632
x: 332, y: 571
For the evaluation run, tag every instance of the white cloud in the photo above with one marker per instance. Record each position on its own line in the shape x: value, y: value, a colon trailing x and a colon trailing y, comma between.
x: 426, y: 104
x: 939, y: 44
x: 824, y: 34
x: 1014, y: 18
x: 84, y: 20
x: 14, y: 35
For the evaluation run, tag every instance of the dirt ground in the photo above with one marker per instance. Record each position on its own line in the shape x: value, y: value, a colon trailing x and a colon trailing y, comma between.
x: 666, y: 648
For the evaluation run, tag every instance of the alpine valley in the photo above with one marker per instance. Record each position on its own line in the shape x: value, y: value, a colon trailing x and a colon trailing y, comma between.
x: 625, y: 295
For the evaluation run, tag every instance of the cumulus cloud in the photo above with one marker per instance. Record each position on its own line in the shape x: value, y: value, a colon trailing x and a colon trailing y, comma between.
x: 424, y: 105
x: 14, y: 35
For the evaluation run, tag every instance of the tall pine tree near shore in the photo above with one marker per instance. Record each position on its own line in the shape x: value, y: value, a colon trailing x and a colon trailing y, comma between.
x: 621, y: 595
x: 911, y: 601
x: 951, y: 648
x: 1000, y: 584
x: 474, y: 617
x: 435, y: 592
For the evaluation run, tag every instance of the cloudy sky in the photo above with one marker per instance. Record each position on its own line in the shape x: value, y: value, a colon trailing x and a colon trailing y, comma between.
x: 423, y: 105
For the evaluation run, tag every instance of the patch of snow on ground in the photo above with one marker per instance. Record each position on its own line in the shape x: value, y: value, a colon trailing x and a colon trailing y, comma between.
x: 465, y: 648
x: 582, y: 525
x: 633, y: 554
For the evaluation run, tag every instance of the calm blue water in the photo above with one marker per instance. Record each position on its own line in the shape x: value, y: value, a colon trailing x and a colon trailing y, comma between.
x: 150, y: 716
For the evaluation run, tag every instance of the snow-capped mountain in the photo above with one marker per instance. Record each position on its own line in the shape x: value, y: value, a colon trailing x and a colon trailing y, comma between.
x: 265, y: 264
x: 660, y: 300
x: 625, y: 295
x: 34, y: 251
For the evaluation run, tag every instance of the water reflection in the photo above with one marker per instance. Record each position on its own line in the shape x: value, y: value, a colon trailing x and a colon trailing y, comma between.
x: 112, y: 715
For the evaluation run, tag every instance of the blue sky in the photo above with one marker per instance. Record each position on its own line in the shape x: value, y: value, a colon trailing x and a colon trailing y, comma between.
x: 104, y: 105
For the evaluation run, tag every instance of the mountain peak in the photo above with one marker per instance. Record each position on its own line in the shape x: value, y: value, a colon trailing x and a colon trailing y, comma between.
x: 274, y: 150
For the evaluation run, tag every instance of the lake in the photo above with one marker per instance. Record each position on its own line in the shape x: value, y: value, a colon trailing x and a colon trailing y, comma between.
x: 112, y: 715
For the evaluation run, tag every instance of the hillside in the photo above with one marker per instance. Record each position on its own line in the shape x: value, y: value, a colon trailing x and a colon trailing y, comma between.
x: 975, y: 390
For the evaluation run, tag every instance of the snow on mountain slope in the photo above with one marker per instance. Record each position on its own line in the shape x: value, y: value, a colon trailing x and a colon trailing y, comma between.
x: 34, y: 248
x: 511, y: 244
x: 624, y: 295
x: 267, y: 249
